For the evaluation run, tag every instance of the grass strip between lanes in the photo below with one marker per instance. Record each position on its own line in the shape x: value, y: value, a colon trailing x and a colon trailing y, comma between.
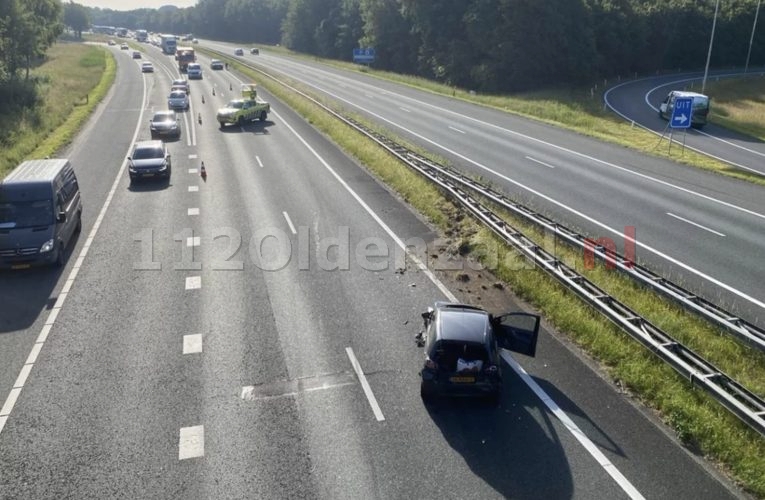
x: 73, y: 80
x: 699, y: 421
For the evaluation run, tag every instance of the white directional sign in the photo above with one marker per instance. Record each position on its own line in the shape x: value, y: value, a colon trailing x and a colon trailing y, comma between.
x: 682, y: 112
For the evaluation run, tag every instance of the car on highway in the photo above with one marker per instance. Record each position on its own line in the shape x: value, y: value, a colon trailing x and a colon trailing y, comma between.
x: 40, y: 212
x: 165, y: 123
x: 255, y: 51
x: 181, y: 84
x: 238, y: 52
x: 195, y: 41
x: 462, y: 349
x: 112, y: 43
x: 147, y: 67
x: 194, y: 71
x: 247, y: 109
x: 149, y: 159
x: 124, y: 46
x: 700, y: 106
x: 136, y: 54
x: 178, y: 99
x: 216, y: 64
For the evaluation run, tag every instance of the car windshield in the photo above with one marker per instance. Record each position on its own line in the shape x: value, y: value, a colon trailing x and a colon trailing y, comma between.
x: 163, y: 117
x: 181, y: 83
x: 177, y: 95
x: 235, y: 104
x: 146, y: 153
x: 20, y: 214
x: 700, y: 102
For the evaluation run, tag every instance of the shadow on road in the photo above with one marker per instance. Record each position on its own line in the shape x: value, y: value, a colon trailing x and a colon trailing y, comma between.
x: 514, y: 448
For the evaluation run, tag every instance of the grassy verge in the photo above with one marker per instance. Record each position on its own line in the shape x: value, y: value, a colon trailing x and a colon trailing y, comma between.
x: 739, y: 105
x: 580, y: 110
x: 699, y: 421
x: 72, y: 82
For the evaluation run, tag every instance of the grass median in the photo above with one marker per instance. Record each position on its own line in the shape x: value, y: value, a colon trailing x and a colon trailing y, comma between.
x: 70, y: 83
x: 700, y: 422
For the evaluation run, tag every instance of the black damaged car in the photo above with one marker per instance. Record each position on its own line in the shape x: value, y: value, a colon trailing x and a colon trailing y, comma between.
x: 462, y: 349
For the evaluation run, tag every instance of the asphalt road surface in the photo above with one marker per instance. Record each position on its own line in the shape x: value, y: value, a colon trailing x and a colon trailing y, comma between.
x: 248, y: 336
x: 694, y: 227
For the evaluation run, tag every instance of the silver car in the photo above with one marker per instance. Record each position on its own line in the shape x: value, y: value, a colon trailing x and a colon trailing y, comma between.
x: 164, y: 123
x: 178, y: 99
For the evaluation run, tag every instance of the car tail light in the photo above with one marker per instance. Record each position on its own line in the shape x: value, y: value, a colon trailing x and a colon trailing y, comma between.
x: 430, y: 364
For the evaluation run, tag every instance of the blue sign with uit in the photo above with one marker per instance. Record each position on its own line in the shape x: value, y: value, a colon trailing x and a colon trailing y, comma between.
x: 682, y: 112
x: 365, y: 56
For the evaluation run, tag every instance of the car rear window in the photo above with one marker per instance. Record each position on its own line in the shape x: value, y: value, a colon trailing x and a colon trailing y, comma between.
x: 447, y: 352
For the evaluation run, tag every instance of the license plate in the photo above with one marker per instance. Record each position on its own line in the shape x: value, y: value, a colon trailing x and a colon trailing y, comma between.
x: 148, y: 175
x: 21, y: 266
x: 462, y: 380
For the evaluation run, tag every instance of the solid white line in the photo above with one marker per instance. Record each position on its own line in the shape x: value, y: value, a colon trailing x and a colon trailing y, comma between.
x: 540, y: 162
x: 259, y: 162
x: 22, y: 378
x: 404, y: 110
x: 192, y: 344
x: 412, y: 256
x: 192, y: 211
x: 457, y: 130
x: 10, y: 402
x: 289, y: 223
x: 365, y: 385
x: 3, y: 420
x: 32, y: 358
x: 695, y: 224
x: 193, y: 241
x: 569, y: 424
x: 191, y: 442
x: 44, y: 334
x: 193, y: 283
x: 193, y: 189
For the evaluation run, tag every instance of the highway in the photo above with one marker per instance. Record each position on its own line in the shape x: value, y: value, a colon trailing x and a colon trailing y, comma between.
x: 638, y: 101
x: 698, y: 228
x: 238, y: 337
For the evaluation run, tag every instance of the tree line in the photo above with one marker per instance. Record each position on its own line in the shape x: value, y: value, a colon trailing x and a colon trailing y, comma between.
x: 487, y: 45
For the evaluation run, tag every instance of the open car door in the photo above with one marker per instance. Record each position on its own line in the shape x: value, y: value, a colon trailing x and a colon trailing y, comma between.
x: 517, y: 332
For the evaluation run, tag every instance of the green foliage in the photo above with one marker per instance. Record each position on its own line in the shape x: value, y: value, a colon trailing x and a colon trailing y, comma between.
x: 27, y: 29
x: 76, y: 17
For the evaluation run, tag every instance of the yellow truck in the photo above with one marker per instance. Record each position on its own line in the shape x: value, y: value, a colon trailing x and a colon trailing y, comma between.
x: 248, y: 108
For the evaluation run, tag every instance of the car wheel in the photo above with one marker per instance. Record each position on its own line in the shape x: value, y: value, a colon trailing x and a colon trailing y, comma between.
x: 426, y: 392
x: 60, y: 254
x: 240, y: 121
x: 263, y: 116
x: 78, y: 227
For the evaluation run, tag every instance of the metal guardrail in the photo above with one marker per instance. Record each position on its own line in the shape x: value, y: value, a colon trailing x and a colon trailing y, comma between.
x: 746, y: 405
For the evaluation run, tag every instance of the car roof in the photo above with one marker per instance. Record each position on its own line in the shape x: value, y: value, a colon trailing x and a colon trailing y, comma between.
x: 463, y: 323
x: 164, y: 112
x: 149, y: 144
x: 684, y: 93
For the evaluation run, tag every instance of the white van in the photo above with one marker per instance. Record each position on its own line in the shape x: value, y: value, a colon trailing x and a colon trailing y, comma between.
x: 700, y: 107
x: 40, y: 211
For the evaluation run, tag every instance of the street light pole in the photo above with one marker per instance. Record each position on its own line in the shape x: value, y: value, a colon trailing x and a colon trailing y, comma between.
x: 751, y: 39
x: 709, y: 54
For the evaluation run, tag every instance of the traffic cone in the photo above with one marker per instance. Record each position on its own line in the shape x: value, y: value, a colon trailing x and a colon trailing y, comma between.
x: 203, y: 99
x: 200, y: 118
x: 230, y: 86
x: 203, y: 172
x: 213, y: 90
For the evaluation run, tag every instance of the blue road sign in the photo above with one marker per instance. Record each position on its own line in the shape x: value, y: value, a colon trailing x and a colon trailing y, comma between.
x: 682, y: 112
x: 366, y: 55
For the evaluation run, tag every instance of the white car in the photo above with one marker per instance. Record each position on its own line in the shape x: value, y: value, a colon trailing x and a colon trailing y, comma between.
x: 147, y: 67
x: 182, y: 84
x: 178, y: 99
x: 194, y: 71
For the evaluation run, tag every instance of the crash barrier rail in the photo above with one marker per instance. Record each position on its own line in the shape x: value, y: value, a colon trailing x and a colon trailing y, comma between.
x: 747, y: 406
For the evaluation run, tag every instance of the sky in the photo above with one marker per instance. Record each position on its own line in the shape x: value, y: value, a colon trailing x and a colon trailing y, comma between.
x: 134, y: 4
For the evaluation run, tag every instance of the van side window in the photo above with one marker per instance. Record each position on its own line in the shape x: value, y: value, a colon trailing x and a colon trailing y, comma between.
x: 68, y: 190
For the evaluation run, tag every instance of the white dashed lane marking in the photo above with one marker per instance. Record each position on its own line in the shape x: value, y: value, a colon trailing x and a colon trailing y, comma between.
x: 192, y: 344
x: 193, y: 282
x: 191, y: 442
x: 194, y: 241
x: 193, y: 211
x: 193, y: 189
